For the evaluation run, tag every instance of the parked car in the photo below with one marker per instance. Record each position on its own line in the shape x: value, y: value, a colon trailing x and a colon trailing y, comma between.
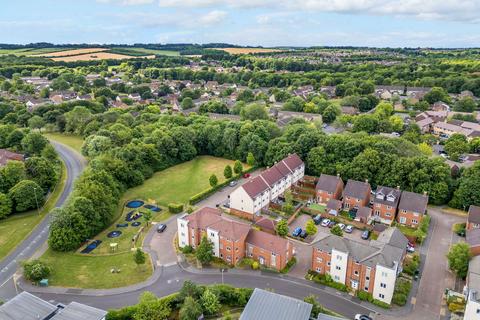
x: 303, y: 234
x: 297, y: 232
x: 317, y: 219
x: 362, y: 317
x: 331, y: 224
x: 395, y: 134
x: 233, y: 183
x: 341, y: 226
x: 246, y: 175
x: 325, y: 222
x: 161, y: 227
x: 410, y: 247
x: 349, y: 229
x: 365, y: 234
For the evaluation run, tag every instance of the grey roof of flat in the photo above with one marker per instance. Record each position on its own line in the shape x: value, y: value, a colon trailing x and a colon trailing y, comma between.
x: 78, y: 311
x: 26, y: 306
x: 266, y: 305
x: 472, y: 237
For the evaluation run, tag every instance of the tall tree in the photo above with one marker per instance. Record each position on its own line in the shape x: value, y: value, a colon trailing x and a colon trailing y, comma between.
x: 204, y: 251
x: 458, y: 259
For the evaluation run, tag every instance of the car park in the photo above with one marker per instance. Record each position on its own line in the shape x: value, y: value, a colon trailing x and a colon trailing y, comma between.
x: 325, y: 222
x: 331, y: 224
x: 161, y: 227
x: 365, y: 234
x: 341, y: 226
x: 297, y: 232
x: 317, y: 219
x: 349, y: 228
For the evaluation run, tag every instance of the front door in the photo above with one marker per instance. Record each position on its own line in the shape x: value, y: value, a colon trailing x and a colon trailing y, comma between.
x: 261, y: 260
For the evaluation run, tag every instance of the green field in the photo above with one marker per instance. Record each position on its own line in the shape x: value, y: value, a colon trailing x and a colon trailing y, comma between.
x: 18, y: 226
x: 31, y: 51
x: 74, y: 142
x: 143, y: 51
x: 78, y: 271
x: 179, y: 183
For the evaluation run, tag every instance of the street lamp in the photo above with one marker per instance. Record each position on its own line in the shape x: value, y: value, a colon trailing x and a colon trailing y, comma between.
x: 36, y: 200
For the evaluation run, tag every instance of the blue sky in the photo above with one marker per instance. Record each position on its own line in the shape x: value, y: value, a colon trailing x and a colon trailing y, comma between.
x: 399, y: 23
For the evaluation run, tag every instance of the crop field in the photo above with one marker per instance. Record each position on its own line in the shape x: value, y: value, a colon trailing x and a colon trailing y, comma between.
x: 74, y: 52
x: 98, y: 56
x: 143, y: 51
x: 248, y: 50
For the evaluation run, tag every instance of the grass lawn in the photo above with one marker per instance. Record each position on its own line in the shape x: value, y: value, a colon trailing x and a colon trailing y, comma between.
x: 144, y: 51
x: 80, y: 271
x: 180, y: 182
x: 406, y: 230
x: 18, y: 226
x: 73, y: 141
x: 316, y: 206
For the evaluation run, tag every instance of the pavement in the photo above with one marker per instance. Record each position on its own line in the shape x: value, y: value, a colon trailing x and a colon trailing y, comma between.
x: 74, y: 164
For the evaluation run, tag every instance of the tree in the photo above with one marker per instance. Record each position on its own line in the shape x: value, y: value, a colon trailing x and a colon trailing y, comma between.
x: 336, y: 231
x: 36, y: 270
x: 437, y: 94
x: 36, y: 122
x: 11, y: 174
x: 26, y: 195
x: 77, y: 119
x: 5, y: 206
x: 151, y: 308
x: 41, y: 171
x: 254, y: 111
x: 139, y: 257
x: 316, y: 307
x: 330, y: 114
x: 204, y: 251
x: 213, y: 180
x: 94, y: 145
x: 147, y: 216
x: 311, y: 228
x: 227, y: 172
x: 282, y: 228
x: 187, y: 103
x: 425, y: 149
x: 210, y: 302
x: 33, y: 143
x: 366, y: 122
x: 466, y: 104
x: 190, y: 309
x: 237, y: 167
x: 468, y: 191
x: 250, y: 159
x: 458, y: 259
x: 456, y: 145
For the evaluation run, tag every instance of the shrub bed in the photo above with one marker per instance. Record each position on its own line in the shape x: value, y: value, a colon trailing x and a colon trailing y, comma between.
x: 326, y: 280
x: 289, y: 265
x: 175, y: 207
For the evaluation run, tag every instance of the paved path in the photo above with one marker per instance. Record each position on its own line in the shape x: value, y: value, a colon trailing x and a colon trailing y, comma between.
x: 74, y: 164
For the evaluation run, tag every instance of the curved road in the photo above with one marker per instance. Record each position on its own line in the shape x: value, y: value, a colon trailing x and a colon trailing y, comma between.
x: 74, y: 164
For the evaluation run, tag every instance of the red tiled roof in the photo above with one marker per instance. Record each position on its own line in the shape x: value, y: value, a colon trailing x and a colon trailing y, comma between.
x: 204, y: 217
x: 255, y: 186
x: 328, y: 183
x: 272, y: 176
x: 284, y: 170
x: 293, y: 161
x: 230, y: 229
x: 357, y: 189
x: 266, y: 223
x: 267, y: 241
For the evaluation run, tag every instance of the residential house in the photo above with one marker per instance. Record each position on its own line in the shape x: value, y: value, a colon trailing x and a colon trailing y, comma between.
x: 440, y: 106
x: 473, y: 220
x: 356, y: 194
x: 328, y: 187
x: 371, y: 268
x: 26, y: 306
x: 6, y: 156
x: 425, y: 125
x: 472, y: 290
x: 233, y: 240
x: 412, y: 208
x: 364, y: 215
x: 334, y: 207
x: 385, y: 204
x: 249, y: 199
x: 33, y: 104
x: 267, y: 305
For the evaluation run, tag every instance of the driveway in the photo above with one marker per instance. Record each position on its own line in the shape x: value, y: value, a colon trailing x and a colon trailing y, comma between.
x: 163, y: 243
x: 303, y: 254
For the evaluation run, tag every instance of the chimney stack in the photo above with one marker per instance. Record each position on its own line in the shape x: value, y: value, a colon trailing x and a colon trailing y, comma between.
x: 398, y: 187
x: 425, y: 193
x: 366, y: 180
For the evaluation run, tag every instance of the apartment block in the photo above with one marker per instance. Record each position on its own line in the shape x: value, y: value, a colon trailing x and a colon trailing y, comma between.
x: 249, y: 199
x: 372, y: 267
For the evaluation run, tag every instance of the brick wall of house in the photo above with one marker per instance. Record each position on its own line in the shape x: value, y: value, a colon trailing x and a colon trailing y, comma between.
x: 475, y: 250
x: 411, y: 219
x: 256, y: 253
x: 324, y: 196
x: 231, y: 251
x: 242, y: 214
x: 471, y: 225
x: 384, y: 211
x: 320, y: 261
x: 354, y: 202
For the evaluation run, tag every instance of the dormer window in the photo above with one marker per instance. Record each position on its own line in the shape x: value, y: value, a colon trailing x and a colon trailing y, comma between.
x: 391, y: 198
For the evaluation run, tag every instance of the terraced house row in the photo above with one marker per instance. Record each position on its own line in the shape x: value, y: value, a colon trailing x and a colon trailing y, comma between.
x: 249, y: 199
x: 384, y: 205
x: 233, y: 240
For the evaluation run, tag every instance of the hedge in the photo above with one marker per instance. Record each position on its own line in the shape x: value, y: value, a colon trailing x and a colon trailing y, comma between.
x: 208, y: 192
x: 127, y: 313
x: 289, y: 265
x: 366, y: 296
x: 326, y: 280
x: 175, y: 207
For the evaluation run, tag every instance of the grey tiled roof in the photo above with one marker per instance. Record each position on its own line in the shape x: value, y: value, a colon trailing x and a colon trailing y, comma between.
x: 77, y: 311
x: 414, y: 202
x: 266, y: 305
x: 26, y: 306
x: 328, y: 183
x: 356, y: 189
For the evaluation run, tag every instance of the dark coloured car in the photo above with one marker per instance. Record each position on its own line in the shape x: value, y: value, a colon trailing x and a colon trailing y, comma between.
x: 331, y: 224
x: 365, y: 234
x: 297, y: 232
x: 362, y: 317
x: 303, y: 234
x: 161, y: 227
x: 317, y: 219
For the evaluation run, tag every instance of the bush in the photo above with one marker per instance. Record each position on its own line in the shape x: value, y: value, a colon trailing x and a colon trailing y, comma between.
x: 289, y: 265
x: 175, y: 207
x: 35, y: 270
x: 402, y: 290
x: 381, y: 304
x: 187, y: 249
x: 411, y: 265
x: 255, y: 265
x: 364, y: 296
x: 326, y: 280
x: 399, y: 299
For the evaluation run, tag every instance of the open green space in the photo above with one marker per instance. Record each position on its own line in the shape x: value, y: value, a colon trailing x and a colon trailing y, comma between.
x: 31, y: 51
x: 180, y: 182
x: 316, y: 206
x: 73, y: 141
x: 18, y: 226
x: 80, y: 271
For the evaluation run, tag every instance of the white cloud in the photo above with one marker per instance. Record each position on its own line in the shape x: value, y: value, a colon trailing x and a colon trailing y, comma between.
x: 213, y: 17
x: 453, y: 10
x: 127, y: 2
